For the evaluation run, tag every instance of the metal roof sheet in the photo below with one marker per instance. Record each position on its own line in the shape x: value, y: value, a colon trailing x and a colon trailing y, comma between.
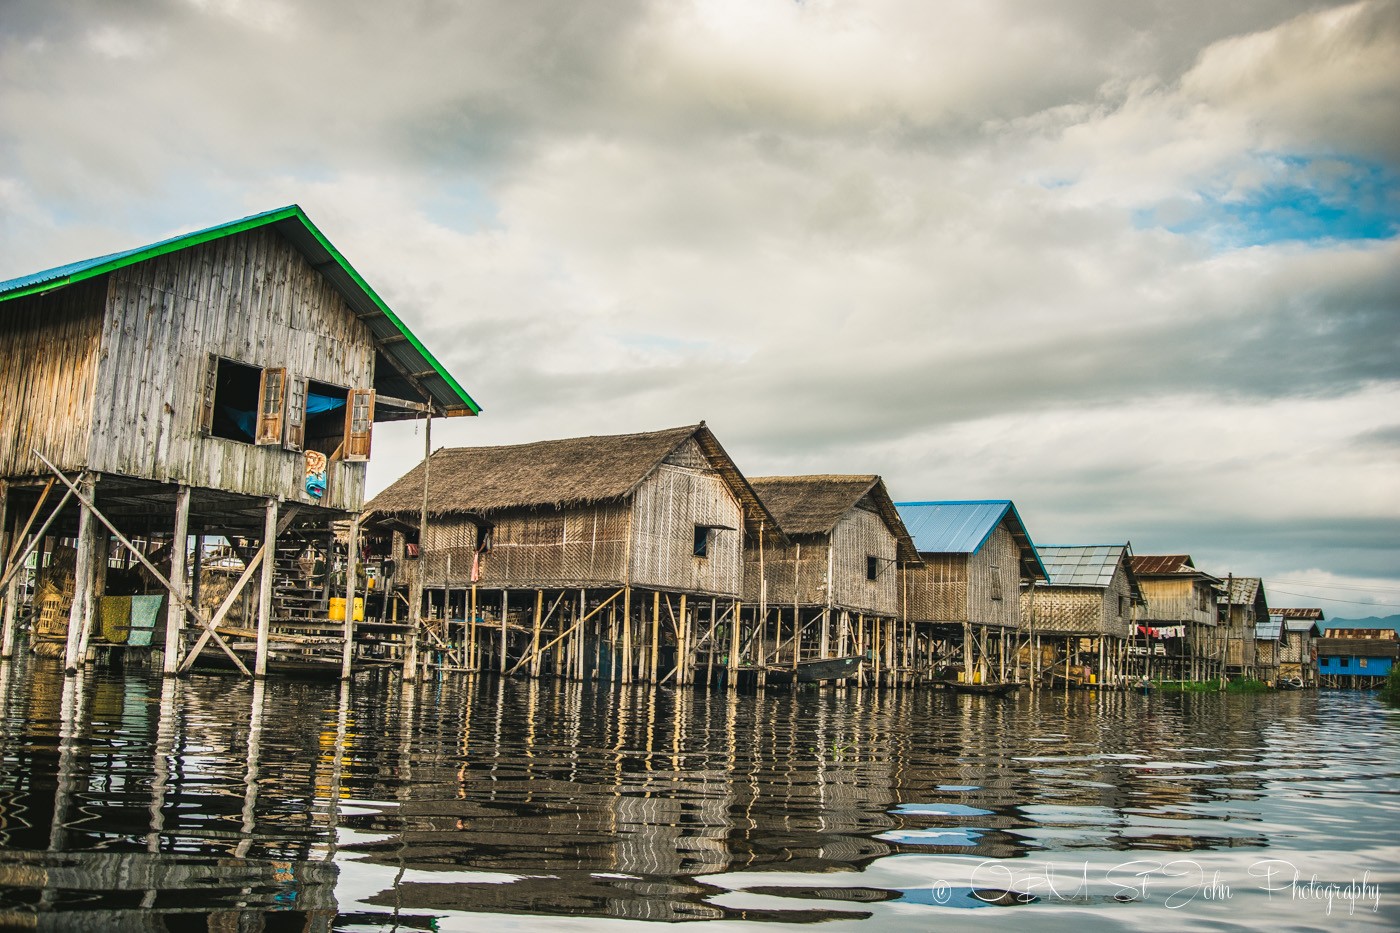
x: 1081, y: 565
x: 962, y: 526
x: 417, y: 369
x: 1268, y: 629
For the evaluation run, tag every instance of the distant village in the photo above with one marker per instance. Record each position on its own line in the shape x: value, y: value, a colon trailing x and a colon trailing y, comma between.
x: 182, y: 484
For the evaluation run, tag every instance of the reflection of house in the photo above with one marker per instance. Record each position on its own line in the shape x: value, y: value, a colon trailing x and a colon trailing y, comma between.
x: 629, y: 548
x: 195, y: 386
x: 1297, y: 648
x: 1242, y: 606
x: 1177, y: 634
x: 832, y: 589
x: 1087, y: 609
x: 974, y: 556
x: 1356, y: 657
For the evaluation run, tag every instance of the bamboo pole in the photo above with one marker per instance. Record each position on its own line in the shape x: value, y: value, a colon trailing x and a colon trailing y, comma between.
x: 347, y: 654
x: 656, y: 632
x: 535, y: 634
x: 175, y: 614
x: 626, y: 660
x: 683, y: 646
x: 82, y: 583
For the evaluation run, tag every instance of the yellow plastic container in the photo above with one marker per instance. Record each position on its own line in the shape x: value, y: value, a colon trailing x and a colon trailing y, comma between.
x: 338, y: 609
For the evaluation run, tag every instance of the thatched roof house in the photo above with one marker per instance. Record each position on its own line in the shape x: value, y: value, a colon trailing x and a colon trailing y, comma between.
x: 845, y: 541
x: 664, y: 509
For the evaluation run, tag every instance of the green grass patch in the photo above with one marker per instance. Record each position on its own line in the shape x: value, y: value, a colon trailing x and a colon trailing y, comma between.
x: 1186, y: 686
x: 1390, y: 692
x: 1247, y: 686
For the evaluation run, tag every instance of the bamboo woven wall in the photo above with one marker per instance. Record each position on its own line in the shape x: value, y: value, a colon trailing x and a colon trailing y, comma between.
x: 666, y: 509
x: 937, y: 588
x: 1176, y: 601
x: 545, y: 547
x: 1295, y: 647
x: 859, y: 535
x: 1082, y: 610
x: 796, y: 572
x: 48, y: 376
x: 252, y: 298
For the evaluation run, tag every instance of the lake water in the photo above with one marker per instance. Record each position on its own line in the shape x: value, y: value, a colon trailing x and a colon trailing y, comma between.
x: 132, y: 802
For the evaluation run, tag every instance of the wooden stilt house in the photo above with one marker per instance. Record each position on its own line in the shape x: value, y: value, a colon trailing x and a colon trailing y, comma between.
x: 220, y: 383
x: 1177, y: 635
x: 1085, y: 611
x: 963, y: 595
x: 1242, y: 606
x: 1297, y: 649
x: 618, y: 557
x: 832, y: 590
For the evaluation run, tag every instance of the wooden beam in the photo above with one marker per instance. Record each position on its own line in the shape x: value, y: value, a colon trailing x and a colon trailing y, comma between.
x: 269, y: 571
x: 175, y: 616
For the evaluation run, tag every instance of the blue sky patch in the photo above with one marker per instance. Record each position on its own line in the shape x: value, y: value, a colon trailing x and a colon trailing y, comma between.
x: 1302, y: 199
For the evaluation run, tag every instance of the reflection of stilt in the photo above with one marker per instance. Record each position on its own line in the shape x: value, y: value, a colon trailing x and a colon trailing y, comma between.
x: 160, y: 770
x: 342, y: 717
x: 73, y: 720
x: 250, y: 780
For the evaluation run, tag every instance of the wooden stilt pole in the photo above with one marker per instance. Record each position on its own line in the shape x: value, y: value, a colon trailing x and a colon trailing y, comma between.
x: 683, y: 646
x: 535, y: 634
x: 655, y: 634
x: 347, y: 654
x: 175, y: 613
x: 627, y: 635
x: 78, y: 614
x: 269, y: 572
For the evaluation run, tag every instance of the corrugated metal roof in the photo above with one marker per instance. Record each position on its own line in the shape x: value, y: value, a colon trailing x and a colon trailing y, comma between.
x: 418, y: 370
x: 963, y: 526
x: 1081, y: 565
x: 1268, y: 629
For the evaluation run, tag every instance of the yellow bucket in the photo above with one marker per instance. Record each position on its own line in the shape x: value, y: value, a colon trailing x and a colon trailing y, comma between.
x: 338, y: 609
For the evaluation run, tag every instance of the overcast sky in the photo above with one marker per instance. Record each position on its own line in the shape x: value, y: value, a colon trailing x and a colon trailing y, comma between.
x: 1133, y: 264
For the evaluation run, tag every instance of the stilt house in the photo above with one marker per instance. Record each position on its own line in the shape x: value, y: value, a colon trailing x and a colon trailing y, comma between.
x: 1242, y: 606
x: 617, y: 556
x: 223, y: 382
x: 1297, y: 654
x: 964, y: 592
x: 1086, y: 610
x: 1357, y: 656
x: 1177, y: 635
x: 833, y: 589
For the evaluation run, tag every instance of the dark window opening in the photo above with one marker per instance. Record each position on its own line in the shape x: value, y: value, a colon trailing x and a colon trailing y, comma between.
x: 702, y: 541
x: 232, y: 412
x: 872, y: 567
x: 325, y: 417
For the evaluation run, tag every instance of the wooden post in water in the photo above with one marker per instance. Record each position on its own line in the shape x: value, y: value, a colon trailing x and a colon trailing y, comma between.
x: 79, y: 614
x: 175, y: 614
x: 655, y: 633
x: 347, y: 650
x: 626, y: 659
x: 535, y: 634
x: 269, y: 572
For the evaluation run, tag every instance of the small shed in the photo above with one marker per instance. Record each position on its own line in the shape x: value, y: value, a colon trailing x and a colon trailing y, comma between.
x: 1177, y: 635
x: 223, y: 382
x: 1086, y: 610
x: 832, y: 589
x: 964, y: 591
x: 632, y: 544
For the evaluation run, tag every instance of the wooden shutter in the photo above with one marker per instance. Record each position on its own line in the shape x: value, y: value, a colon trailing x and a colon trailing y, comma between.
x: 207, y: 391
x: 272, y: 402
x: 296, y: 413
x: 359, y: 423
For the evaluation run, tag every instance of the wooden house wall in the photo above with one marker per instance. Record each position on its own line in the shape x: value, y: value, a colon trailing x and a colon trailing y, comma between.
x: 680, y: 494
x: 1294, y: 647
x: 994, y: 581
x: 936, y: 588
x: 859, y: 535
x: 1176, y: 601
x: 251, y: 298
x: 583, y: 546
x: 1240, y: 646
x: 48, y: 376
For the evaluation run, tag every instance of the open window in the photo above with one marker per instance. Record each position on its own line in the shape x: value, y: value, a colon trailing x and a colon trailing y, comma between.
x: 233, y: 402
x: 702, y: 541
x: 872, y: 567
x: 323, y: 424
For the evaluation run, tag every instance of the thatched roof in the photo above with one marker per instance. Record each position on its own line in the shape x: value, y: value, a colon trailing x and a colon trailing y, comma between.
x: 807, y: 505
x: 573, y: 471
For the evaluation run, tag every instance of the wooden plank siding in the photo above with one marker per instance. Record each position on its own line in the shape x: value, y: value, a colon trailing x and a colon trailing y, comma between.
x: 251, y: 298
x: 49, y: 349
x: 982, y: 587
x: 1176, y: 601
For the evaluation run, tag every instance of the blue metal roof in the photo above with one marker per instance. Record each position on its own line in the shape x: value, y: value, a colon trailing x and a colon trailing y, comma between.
x: 963, y: 526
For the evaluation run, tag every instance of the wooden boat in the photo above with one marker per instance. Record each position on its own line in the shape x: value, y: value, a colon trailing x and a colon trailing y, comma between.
x: 1290, y: 683
x: 817, y: 670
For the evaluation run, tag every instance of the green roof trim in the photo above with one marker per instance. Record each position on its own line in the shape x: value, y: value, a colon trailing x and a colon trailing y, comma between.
x: 352, y: 286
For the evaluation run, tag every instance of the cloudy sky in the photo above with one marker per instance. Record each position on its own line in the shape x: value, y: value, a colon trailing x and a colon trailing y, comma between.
x: 1134, y: 264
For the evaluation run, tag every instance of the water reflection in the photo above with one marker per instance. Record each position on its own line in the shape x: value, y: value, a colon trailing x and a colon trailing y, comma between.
x: 128, y: 800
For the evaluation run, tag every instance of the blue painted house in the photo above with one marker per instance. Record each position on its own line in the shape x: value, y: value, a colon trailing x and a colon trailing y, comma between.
x: 1353, y: 656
